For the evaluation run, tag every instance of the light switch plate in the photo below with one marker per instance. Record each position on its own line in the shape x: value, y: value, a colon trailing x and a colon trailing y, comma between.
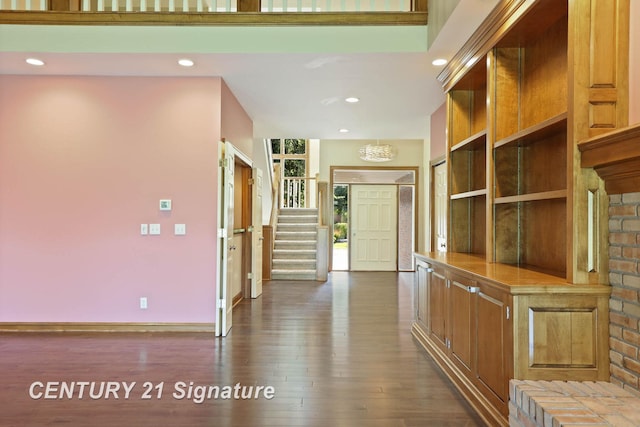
x: 144, y: 229
x: 180, y: 229
x: 154, y: 229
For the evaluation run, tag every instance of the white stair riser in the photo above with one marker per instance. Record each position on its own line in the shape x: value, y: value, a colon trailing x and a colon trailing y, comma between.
x: 285, y: 275
x: 297, y: 211
x: 294, y: 254
x: 293, y: 245
x: 292, y: 235
x: 297, y: 219
x: 308, y: 228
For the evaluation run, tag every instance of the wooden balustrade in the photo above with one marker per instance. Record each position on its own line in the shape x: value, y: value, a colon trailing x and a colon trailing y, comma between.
x: 203, y: 12
x: 199, y: 6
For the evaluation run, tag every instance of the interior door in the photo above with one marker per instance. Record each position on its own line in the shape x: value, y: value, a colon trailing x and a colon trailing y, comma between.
x: 224, y: 304
x: 256, y: 235
x: 440, y: 207
x: 374, y: 229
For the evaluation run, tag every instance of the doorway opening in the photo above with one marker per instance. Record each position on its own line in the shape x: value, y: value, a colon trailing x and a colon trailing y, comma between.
x: 341, y: 227
x: 239, y: 244
x: 376, y: 234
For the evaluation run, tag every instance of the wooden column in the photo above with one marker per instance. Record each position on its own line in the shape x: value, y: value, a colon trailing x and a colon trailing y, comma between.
x: 598, y: 103
x: 64, y: 5
x: 249, y: 5
x: 267, y: 251
x: 419, y: 5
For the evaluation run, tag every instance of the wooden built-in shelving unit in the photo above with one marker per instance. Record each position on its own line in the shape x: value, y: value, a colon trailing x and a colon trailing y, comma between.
x: 522, y: 290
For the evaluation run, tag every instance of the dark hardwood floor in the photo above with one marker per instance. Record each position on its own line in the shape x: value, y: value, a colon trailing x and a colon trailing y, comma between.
x: 338, y: 353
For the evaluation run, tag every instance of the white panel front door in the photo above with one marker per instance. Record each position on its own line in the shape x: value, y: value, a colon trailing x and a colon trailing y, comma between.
x: 374, y: 228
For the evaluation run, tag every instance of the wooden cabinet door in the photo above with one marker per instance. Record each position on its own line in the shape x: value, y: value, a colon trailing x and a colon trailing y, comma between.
x: 461, y: 321
x: 437, y: 306
x: 421, y: 296
x: 494, y: 345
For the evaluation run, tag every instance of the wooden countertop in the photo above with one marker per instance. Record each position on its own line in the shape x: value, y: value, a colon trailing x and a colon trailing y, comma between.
x: 516, y: 279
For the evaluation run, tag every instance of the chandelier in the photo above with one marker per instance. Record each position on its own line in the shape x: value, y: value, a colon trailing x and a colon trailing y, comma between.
x: 377, y: 152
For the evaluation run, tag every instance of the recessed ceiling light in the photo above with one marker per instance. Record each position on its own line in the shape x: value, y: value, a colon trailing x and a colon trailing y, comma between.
x: 439, y: 61
x: 34, y: 61
x: 343, y: 130
x: 352, y: 99
x: 185, y: 62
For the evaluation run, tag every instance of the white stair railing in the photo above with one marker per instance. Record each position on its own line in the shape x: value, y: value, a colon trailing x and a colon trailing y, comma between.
x: 295, y: 193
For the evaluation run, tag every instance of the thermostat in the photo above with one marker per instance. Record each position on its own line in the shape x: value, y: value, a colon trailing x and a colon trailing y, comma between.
x: 165, y: 205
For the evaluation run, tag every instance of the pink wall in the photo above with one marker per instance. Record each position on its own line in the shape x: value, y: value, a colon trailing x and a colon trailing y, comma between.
x: 439, y: 132
x: 236, y: 125
x: 634, y: 64
x: 83, y: 162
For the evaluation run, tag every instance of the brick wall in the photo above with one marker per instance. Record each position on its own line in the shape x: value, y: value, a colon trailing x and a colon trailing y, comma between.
x: 624, y: 276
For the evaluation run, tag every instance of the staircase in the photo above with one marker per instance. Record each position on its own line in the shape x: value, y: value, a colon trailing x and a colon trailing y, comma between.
x: 294, y: 254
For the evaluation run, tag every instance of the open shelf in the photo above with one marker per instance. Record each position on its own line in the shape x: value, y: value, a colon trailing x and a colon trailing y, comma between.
x: 473, y: 142
x: 468, y: 107
x: 542, y: 130
x: 531, y: 84
x: 468, y: 224
x: 532, y: 233
x: 538, y: 166
x: 532, y: 197
x: 468, y: 161
x: 469, y: 194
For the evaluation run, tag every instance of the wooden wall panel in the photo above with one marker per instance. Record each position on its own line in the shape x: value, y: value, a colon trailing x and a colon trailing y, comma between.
x: 608, y: 45
x: 479, y: 108
x: 562, y: 338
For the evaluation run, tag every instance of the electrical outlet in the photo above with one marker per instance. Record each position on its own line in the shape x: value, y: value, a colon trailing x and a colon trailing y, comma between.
x: 143, y: 303
x: 180, y: 229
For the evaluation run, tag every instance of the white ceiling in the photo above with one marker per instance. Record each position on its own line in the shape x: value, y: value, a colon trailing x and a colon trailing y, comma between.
x: 291, y: 81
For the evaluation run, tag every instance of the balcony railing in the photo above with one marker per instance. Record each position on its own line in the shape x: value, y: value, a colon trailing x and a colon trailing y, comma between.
x: 214, y: 12
x: 210, y: 6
